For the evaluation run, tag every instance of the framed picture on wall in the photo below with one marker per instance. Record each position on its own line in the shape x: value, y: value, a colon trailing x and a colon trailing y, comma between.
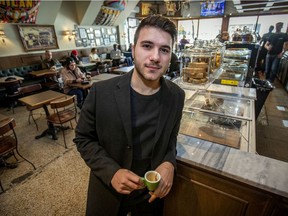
x: 84, y: 42
x: 112, y: 38
x: 90, y: 36
x: 106, y: 41
x: 78, y: 42
x: 101, y: 41
x: 82, y: 33
x: 97, y: 33
x: 103, y: 31
x: 38, y: 37
x: 98, y: 42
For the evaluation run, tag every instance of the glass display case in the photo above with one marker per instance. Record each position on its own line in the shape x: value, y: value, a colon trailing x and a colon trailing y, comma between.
x: 195, y: 73
x: 219, y: 119
x: 234, y: 67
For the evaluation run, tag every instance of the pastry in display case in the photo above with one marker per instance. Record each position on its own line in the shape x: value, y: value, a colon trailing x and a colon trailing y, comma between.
x: 234, y: 68
x: 218, y: 118
x: 195, y: 73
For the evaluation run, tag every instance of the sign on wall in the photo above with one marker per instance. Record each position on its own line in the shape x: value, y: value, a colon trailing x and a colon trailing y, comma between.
x: 19, y: 11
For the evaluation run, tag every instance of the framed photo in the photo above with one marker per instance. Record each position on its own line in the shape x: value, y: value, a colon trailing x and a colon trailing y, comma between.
x: 106, y: 41
x: 109, y: 32
x: 38, y: 37
x: 103, y: 31
x: 90, y: 36
x: 98, y: 42
x: 112, y: 38
x: 113, y: 30
x: 78, y: 42
x: 84, y: 42
x: 101, y: 41
x: 82, y: 33
x: 97, y: 33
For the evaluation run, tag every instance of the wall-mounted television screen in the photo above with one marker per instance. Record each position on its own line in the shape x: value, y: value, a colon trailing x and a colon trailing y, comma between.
x: 212, y: 8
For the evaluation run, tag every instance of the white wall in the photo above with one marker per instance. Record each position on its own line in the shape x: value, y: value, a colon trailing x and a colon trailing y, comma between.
x: 266, y: 21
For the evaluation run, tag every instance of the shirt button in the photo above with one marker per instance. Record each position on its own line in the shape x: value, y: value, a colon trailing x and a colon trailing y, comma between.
x: 128, y: 147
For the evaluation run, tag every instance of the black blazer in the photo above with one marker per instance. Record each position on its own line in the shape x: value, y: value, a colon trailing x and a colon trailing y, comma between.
x: 104, y: 136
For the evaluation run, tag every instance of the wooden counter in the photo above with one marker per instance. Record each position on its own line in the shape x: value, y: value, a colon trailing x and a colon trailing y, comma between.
x: 214, y: 179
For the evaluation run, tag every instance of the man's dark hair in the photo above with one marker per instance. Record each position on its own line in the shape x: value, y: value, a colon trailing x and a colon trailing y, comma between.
x: 93, y: 49
x: 159, y: 22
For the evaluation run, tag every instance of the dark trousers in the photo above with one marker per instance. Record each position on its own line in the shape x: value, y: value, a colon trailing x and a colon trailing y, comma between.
x: 272, y: 65
x: 143, y: 208
x: 78, y: 93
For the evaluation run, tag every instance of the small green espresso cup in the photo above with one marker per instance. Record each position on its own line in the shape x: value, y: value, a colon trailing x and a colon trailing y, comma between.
x: 151, y: 180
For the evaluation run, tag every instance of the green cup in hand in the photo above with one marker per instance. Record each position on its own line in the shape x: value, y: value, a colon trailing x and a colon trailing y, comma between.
x: 151, y: 180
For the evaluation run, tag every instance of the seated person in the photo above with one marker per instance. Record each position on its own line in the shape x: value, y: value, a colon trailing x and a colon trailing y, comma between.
x: 174, y: 68
x: 74, y: 55
x: 77, y: 59
x: 116, y: 56
x: 72, y: 74
x: 93, y: 55
x: 49, y: 62
x: 130, y: 48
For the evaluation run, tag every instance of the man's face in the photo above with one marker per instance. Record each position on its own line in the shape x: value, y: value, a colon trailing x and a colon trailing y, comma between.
x: 279, y: 27
x: 152, y: 53
x: 48, y: 55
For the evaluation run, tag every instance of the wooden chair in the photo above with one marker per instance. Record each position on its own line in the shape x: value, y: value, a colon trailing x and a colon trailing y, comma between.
x: 27, y: 90
x: 64, y: 111
x: 9, y: 142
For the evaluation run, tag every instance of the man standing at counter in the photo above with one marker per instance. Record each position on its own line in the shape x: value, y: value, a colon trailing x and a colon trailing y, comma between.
x: 129, y: 125
x: 276, y: 45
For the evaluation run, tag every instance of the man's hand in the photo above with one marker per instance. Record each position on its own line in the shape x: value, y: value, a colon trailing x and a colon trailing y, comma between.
x: 125, y: 181
x: 166, y: 171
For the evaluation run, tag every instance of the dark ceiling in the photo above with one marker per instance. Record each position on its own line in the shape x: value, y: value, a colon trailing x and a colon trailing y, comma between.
x: 261, y: 6
x: 237, y: 7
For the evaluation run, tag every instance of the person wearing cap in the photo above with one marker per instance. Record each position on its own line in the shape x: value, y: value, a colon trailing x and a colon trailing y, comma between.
x: 74, y: 55
x: 72, y: 74
x: 276, y: 45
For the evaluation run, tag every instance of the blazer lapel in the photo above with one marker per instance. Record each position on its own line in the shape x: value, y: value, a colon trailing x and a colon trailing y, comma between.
x: 122, y: 97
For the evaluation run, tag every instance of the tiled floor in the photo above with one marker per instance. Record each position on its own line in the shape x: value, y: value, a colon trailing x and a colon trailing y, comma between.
x: 59, y: 184
x: 272, y: 135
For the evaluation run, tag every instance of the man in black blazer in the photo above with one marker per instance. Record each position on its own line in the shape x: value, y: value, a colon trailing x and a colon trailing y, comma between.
x: 129, y: 125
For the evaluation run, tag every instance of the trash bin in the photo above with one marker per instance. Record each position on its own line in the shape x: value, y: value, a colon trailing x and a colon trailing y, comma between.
x: 263, y: 88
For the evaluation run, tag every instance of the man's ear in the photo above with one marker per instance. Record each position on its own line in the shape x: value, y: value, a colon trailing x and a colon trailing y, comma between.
x: 133, y: 47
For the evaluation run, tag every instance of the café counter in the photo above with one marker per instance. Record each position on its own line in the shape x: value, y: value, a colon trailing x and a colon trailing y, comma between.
x: 215, y: 179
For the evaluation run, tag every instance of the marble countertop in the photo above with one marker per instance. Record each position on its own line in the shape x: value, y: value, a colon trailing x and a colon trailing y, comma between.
x: 234, y: 90
x: 268, y: 174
